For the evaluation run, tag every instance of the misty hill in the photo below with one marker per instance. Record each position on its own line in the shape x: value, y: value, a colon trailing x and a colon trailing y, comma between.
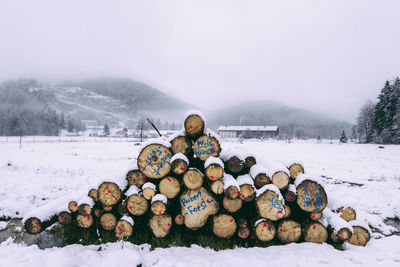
x: 292, y: 121
x: 108, y: 100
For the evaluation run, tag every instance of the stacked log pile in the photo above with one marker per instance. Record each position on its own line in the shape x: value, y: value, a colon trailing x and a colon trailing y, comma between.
x: 188, y: 190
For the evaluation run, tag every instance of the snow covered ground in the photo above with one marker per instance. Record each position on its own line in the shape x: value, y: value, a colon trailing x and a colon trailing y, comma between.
x: 362, y: 176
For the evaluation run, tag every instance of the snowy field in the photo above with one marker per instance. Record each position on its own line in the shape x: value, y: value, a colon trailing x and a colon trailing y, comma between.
x: 365, y: 177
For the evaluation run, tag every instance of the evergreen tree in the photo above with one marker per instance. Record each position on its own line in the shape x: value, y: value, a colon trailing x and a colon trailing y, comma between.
x: 343, y: 138
x: 106, y: 130
x: 364, y: 122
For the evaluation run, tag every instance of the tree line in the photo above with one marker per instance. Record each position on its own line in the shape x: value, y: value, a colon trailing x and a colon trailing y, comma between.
x: 380, y: 122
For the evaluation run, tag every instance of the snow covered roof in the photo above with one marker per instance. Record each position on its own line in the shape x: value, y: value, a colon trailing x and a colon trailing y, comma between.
x: 249, y: 128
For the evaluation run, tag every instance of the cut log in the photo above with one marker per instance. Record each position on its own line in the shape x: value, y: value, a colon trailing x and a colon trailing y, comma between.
x: 64, y: 218
x: 214, y: 168
x: 243, y: 233
x: 242, y: 223
x: 194, y: 125
x: 224, y: 225
x: 231, y: 186
x: 311, y: 196
x: 179, y: 219
x: 109, y: 193
x: 249, y: 162
x: 280, y: 179
x: 107, y: 208
x: 247, y: 189
x: 124, y: 227
x: 148, y: 190
x: 206, y: 146
x: 73, y: 206
x: 232, y: 205
x: 93, y: 194
x: 290, y: 194
x: 160, y: 225
x: 178, y: 165
x: 137, y: 205
x: 288, y: 212
x: 295, y: 169
x: 269, y: 203
x: 361, y: 235
x: 265, y: 230
x: 33, y: 226
x: 182, y: 144
x: 193, y: 179
x: 158, y: 207
x: 84, y: 221
x: 136, y: 177
x: 348, y: 214
x: 84, y: 209
x: 315, y: 233
x: 170, y: 187
x: 340, y: 227
x: 234, y: 165
x: 259, y: 175
x: 217, y: 187
x: 154, y: 161
x: 315, y: 216
x: 289, y: 231
x: 108, y: 221
x: 196, y: 206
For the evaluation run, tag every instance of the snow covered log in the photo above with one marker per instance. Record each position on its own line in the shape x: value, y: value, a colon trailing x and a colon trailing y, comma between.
x: 193, y: 179
x: 160, y: 225
x: 264, y: 230
x: 224, y: 225
x: 214, y: 168
x: 85, y: 205
x: 279, y: 174
x: 154, y: 160
x: 197, y: 205
x: 231, y: 186
x: 159, y: 204
x: 311, y: 196
x: 33, y: 226
x: 135, y: 177
x: 270, y: 203
x: 234, y: 164
x: 137, y: 204
x: 109, y: 193
x: 249, y: 161
x: 315, y: 233
x: 194, y: 124
x: 361, y: 233
x: 289, y: 231
x: 247, y: 189
x: 179, y: 164
x: 169, y: 186
x: 232, y: 205
x: 259, y: 175
x: 148, y: 190
x: 342, y: 230
x: 124, y: 227
x: 347, y: 213
x: 206, y: 146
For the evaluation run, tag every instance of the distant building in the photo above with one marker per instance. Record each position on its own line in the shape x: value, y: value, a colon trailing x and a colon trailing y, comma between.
x: 90, y: 128
x: 248, y: 131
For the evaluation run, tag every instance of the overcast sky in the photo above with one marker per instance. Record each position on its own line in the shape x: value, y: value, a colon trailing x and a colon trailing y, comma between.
x: 328, y: 56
